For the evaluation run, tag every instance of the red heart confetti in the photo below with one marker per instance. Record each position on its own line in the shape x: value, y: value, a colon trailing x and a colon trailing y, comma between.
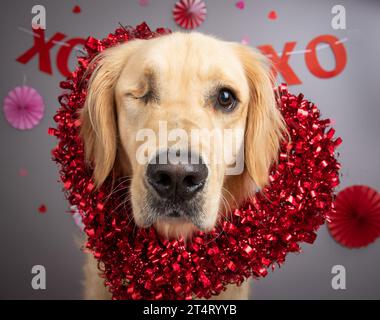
x: 245, y: 40
x: 22, y: 172
x: 272, y: 15
x: 240, y: 5
x: 77, y: 9
x: 42, y: 209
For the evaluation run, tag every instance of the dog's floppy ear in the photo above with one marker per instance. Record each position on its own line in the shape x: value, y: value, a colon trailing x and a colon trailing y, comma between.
x: 98, y: 117
x: 265, y: 126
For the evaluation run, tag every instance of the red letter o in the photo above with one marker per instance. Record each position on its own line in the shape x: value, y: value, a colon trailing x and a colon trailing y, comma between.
x: 64, y: 54
x: 338, y: 50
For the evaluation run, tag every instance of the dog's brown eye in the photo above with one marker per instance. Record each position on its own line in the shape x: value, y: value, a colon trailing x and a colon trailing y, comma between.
x: 226, y: 100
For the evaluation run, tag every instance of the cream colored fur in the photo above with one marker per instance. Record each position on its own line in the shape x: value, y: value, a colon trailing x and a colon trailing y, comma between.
x: 181, y: 67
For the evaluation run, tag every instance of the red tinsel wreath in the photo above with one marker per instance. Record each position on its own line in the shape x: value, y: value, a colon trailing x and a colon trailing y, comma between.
x: 138, y: 264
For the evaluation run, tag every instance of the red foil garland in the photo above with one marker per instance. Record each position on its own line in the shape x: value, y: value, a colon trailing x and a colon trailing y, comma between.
x: 139, y: 264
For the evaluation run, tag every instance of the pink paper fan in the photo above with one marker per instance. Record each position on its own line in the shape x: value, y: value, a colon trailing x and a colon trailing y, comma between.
x: 23, y: 108
x: 356, y: 220
x: 189, y: 14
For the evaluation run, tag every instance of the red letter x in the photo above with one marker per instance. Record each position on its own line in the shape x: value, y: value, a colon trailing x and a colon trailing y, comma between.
x: 42, y: 48
x: 281, y: 63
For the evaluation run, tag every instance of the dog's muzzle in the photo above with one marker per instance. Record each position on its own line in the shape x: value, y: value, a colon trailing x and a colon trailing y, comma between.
x: 176, y: 186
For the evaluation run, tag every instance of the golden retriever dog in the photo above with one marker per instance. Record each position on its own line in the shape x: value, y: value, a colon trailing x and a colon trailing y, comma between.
x: 188, y: 82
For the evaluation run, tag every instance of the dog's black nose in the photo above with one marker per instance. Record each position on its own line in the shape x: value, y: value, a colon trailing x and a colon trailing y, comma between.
x: 178, y: 181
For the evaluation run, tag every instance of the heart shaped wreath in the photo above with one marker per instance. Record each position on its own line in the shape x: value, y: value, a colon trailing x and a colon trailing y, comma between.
x: 139, y: 264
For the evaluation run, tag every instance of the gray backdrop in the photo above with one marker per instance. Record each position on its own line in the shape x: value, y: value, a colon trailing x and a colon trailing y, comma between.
x: 28, y: 238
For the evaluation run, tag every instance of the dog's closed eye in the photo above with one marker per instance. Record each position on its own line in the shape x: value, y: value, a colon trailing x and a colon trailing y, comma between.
x: 146, y: 97
x: 181, y: 87
x: 146, y: 90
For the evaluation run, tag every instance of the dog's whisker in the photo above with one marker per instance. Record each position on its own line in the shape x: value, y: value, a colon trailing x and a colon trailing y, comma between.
x: 114, y: 190
x: 124, y: 201
x: 233, y: 198
x: 216, y: 237
x: 228, y: 213
x: 225, y: 208
x: 224, y: 189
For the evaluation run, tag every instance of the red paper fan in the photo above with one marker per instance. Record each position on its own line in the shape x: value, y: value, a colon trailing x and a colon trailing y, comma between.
x: 189, y: 14
x: 356, y: 222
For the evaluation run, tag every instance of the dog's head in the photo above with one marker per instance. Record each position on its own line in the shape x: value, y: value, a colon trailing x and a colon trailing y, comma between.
x: 190, y: 119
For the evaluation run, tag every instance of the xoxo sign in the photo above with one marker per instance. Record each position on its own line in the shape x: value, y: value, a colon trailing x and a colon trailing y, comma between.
x: 42, y: 49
